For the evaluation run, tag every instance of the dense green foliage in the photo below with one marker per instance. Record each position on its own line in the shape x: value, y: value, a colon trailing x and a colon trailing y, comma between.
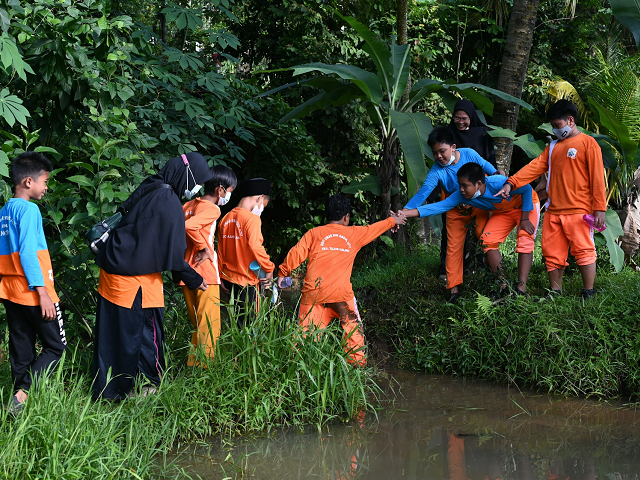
x: 564, y: 346
x: 266, y: 376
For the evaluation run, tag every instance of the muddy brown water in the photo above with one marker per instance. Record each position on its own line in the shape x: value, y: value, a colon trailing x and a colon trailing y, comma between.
x: 443, y: 428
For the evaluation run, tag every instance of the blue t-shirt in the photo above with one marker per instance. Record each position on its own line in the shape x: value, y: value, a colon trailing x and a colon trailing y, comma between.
x: 447, y: 177
x: 486, y: 201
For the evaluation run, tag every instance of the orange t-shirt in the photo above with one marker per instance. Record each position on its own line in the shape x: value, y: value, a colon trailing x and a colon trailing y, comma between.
x: 576, y: 180
x: 14, y: 285
x: 331, y: 250
x: 240, y: 243
x: 200, y: 217
x: 122, y: 289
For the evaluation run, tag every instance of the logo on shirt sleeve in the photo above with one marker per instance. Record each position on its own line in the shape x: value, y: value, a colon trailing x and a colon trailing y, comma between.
x: 51, y: 275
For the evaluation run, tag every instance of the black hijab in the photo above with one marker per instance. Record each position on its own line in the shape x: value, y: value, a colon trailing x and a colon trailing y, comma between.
x: 474, y: 137
x: 151, y: 236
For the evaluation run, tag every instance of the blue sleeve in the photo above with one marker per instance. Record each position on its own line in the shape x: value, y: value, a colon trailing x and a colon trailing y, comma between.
x: 443, y: 206
x: 486, y: 166
x: 429, y: 184
x: 527, y: 197
x: 30, y: 228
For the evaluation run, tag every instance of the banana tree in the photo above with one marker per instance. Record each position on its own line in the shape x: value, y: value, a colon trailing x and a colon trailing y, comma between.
x: 621, y: 157
x: 402, y: 131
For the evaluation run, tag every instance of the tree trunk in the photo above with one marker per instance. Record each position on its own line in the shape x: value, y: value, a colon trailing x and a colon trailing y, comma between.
x: 401, y: 22
x: 513, y: 73
x: 388, y: 172
x: 630, y: 219
x: 163, y: 23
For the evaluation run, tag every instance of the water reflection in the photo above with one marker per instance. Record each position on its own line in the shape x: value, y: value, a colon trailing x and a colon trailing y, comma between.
x: 441, y: 428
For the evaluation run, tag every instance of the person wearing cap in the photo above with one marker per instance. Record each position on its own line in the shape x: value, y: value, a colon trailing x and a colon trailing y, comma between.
x: 240, y: 242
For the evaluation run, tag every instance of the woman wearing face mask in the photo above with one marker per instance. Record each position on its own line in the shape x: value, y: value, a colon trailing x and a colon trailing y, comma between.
x: 201, y: 216
x: 443, y: 174
x: 240, y: 243
x: 149, y: 239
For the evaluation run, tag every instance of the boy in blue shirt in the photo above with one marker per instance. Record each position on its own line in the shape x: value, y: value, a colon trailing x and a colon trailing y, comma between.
x: 522, y: 209
x: 448, y: 160
x: 26, y: 279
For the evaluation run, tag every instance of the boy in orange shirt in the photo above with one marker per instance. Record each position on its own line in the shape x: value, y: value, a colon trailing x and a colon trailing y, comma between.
x: 201, y: 216
x: 327, y: 292
x: 240, y: 243
x: 576, y: 187
x: 26, y: 279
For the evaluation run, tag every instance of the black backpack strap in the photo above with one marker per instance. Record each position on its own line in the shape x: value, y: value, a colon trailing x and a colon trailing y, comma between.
x: 146, y: 192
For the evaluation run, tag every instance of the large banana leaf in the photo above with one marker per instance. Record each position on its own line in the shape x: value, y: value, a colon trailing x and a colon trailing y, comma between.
x: 427, y: 86
x: 628, y: 13
x: 369, y: 183
x: 400, y: 64
x: 611, y: 234
x: 413, y: 130
x: 608, y: 154
x: 531, y: 147
x: 338, y: 96
x: 379, y: 54
x: 368, y: 82
x: 628, y: 147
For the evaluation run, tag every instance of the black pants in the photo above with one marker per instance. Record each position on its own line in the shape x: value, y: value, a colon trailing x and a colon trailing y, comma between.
x: 25, y: 324
x: 245, y: 300
x: 129, y: 342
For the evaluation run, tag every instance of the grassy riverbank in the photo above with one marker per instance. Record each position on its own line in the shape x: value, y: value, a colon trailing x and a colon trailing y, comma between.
x: 564, y: 346
x: 265, y: 377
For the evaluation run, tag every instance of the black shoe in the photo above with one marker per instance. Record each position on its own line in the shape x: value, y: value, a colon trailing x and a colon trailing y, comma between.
x: 550, y: 296
x: 587, y: 293
x: 453, y: 298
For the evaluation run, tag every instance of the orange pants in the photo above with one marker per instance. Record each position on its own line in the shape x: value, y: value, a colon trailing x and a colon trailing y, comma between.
x: 457, y: 221
x: 203, y: 309
x: 559, y: 232
x: 500, y: 225
x: 319, y: 316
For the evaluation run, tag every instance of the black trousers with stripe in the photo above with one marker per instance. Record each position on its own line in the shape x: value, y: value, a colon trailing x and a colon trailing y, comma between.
x: 25, y: 326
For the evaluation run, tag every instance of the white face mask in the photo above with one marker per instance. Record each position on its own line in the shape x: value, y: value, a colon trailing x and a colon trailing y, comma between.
x: 451, y: 160
x: 258, y: 209
x: 475, y: 195
x: 562, y: 133
x: 188, y: 194
x: 224, y: 200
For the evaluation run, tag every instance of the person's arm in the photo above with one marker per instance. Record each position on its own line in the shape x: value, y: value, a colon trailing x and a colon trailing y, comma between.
x: 473, y: 156
x: 429, y: 184
x: 192, y: 279
x: 431, y: 209
x: 195, y: 225
x: 369, y: 233
x: 531, y: 171
x: 526, y: 192
x: 598, y: 189
x: 29, y: 231
x: 298, y: 254
x: 255, y: 243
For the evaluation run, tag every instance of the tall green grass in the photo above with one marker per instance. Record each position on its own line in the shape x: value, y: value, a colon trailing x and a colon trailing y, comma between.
x: 265, y: 376
x: 565, y: 346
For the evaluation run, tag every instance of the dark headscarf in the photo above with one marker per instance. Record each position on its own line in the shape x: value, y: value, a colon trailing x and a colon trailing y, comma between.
x: 151, y: 236
x: 474, y: 137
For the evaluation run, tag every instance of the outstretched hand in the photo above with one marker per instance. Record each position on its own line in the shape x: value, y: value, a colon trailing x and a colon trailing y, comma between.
x: 504, y: 192
x: 399, y: 218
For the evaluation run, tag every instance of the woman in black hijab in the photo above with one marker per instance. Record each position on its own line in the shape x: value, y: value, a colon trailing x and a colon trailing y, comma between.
x: 150, y: 239
x: 469, y: 131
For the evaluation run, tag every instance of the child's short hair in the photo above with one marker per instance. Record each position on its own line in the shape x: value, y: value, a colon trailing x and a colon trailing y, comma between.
x: 222, y: 175
x: 337, y: 207
x: 440, y: 135
x: 472, y: 172
x: 29, y: 164
x: 561, y: 110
